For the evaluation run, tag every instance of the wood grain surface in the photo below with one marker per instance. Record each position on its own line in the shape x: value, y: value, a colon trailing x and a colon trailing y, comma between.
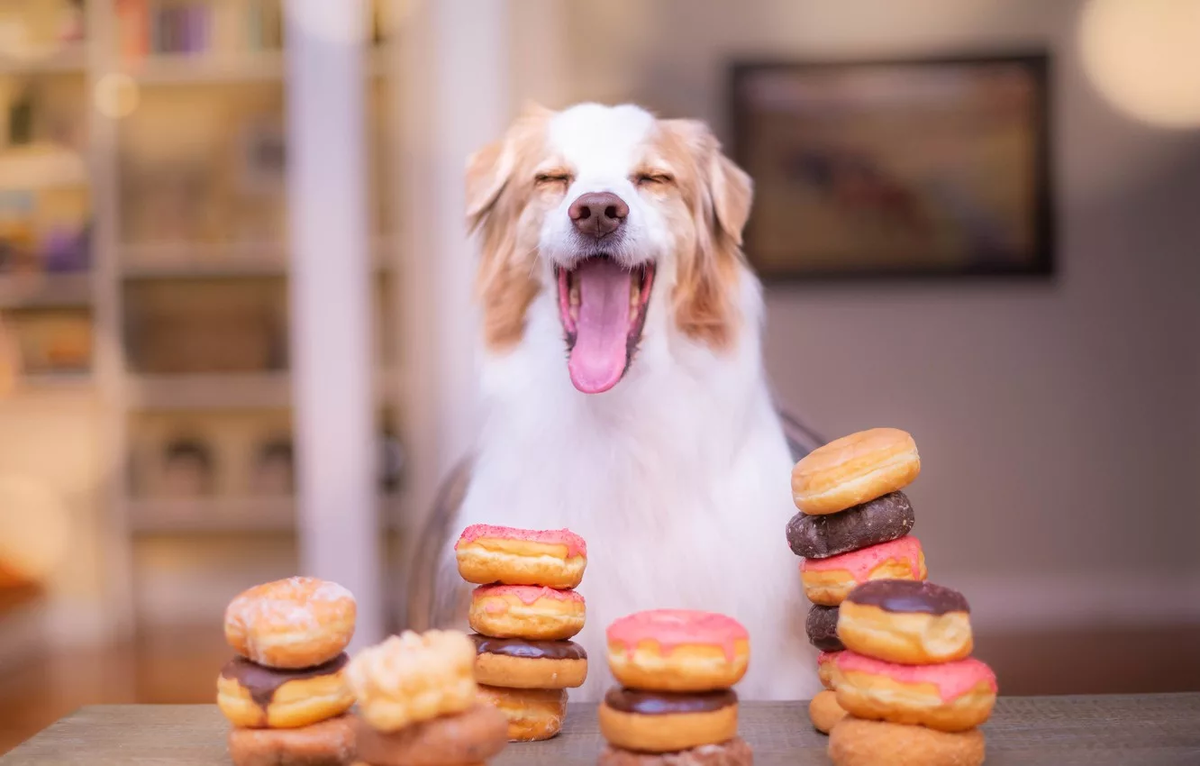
x: 1117, y: 730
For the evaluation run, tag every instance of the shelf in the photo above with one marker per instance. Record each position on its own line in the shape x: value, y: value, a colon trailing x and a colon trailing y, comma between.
x: 32, y: 171
x: 42, y: 382
x: 26, y: 291
x: 199, y: 69
x: 182, y: 260
x: 71, y: 59
x: 220, y: 515
x: 210, y: 391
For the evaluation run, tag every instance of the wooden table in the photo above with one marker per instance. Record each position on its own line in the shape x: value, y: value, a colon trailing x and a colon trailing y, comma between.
x: 1141, y: 730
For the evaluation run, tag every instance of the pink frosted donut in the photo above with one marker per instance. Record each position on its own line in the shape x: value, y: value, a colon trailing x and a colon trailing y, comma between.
x: 554, y: 558
x: 526, y: 611
x: 829, y: 581
x: 950, y: 696
x: 827, y: 669
x: 677, y: 650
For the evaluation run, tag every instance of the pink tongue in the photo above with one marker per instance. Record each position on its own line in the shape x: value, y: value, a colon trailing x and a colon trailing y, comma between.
x: 598, y: 358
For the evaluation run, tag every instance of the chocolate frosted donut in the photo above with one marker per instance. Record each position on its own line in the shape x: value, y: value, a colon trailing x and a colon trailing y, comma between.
x: 877, y: 521
x: 668, y: 703
x: 906, y: 622
x: 909, y: 596
x: 517, y: 663
x: 821, y: 626
x: 667, y: 722
x: 532, y: 650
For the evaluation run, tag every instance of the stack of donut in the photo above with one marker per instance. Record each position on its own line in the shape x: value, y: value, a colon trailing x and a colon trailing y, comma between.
x: 674, y: 706
x: 853, y: 527
x: 913, y: 692
x: 523, y: 613
x: 286, y: 693
x: 417, y: 703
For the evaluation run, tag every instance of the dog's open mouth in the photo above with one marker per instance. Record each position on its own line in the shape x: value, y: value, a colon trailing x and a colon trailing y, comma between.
x: 602, y: 305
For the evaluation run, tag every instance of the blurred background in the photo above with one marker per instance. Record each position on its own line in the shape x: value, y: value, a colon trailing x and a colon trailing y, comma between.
x: 977, y: 220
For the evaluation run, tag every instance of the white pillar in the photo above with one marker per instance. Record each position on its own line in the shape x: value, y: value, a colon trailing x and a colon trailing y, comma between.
x: 338, y: 517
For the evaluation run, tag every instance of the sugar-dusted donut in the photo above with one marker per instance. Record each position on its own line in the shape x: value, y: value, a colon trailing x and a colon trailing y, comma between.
x: 663, y: 722
x: 257, y: 697
x: 854, y: 469
x: 533, y: 714
x: 517, y: 663
x: 951, y: 696
x: 876, y: 521
x: 912, y: 623
x: 678, y: 650
x: 328, y: 742
x: 735, y: 752
x: 526, y: 611
x: 829, y: 581
x: 473, y: 736
x: 294, y: 623
x: 821, y: 628
x: 825, y: 712
x: 413, y: 677
x: 554, y: 558
x: 855, y: 742
x: 827, y: 669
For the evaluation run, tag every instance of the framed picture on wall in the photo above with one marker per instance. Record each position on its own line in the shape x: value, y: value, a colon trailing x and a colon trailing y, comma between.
x: 934, y: 167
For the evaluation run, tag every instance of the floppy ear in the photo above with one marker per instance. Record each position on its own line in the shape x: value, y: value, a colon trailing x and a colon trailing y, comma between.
x: 490, y: 169
x: 732, y: 192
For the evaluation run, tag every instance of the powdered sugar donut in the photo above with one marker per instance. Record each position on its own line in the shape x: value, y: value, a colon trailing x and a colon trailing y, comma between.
x: 294, y: 623
x: 552, y: 558
x: 829, y: 581
x: 525, y: 611
x: 678, y: 650
x: 951, y: 696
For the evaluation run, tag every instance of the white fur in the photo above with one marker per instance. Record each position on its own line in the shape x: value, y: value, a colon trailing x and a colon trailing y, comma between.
x: 678, y: 478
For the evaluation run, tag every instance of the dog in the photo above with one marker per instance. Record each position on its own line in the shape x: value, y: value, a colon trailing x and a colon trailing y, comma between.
x: 623, y: 381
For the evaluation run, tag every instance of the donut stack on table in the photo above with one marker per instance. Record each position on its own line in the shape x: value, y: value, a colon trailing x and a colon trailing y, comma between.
x: 286, y: 693
x: 417, y: 703
x: 524, y: 613
x: 853, y: 527
x: 675, y: 705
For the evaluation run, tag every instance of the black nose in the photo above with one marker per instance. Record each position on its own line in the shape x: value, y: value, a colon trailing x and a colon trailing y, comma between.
x: 598, y: 213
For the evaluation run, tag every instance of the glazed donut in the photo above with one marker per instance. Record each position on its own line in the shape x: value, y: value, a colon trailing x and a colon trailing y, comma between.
x: 825, y: 712
x: 876, y: 521
x: 532, y: 714
x: 663, y: 722
x: 735, y: 752
x: 526, y: 611
x: 294, y: 623
x: 912, y: 623
x: 952, y: 696
x: 854, y: 469
x: 413, y: 677
x: 256, y: 697
x: 472, y: 736
x: 551, y: 558
x: 821, y: 627
x: 855, y: 742
x: 326, y: 743
x: 678, y: 650
x: 519, y: 664
x: 827, y: 669
x: 829, y: 581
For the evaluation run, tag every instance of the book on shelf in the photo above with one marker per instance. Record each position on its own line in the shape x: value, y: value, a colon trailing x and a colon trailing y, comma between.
x: 198, y: 27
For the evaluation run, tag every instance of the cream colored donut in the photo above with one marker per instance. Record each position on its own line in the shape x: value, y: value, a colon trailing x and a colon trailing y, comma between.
x: 533, y: 714
x: 854, y: 469
x: 294, y: 623
x: 550, y: 558
x: 855, y: 742
x: 525, y: 611
x: 825, y: 712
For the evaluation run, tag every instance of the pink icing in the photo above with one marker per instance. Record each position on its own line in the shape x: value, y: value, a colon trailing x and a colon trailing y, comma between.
x: 672, y: 628
x: 860, y: 563
x: 528, y: 594
x: 576, y: 545
x: 952, y: 679
x: 824, y: 657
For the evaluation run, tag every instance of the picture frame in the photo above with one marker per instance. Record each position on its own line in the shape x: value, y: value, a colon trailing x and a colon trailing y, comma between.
x: 897, y: 168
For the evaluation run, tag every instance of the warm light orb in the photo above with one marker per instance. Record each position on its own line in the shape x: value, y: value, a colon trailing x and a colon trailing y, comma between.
x: 9, y: 363
x: 116, y: 95
x: 1144, y: 57
x: 34, y: 528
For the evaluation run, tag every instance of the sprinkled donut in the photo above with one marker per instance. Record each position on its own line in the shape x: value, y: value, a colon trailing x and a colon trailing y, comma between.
x: 553, y: 558
x: 951, y: 696
x: 677, y: 650
x: 526, y: 611
x: 829, y: 581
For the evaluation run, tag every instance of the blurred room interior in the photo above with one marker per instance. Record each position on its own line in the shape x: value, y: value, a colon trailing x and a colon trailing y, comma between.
x: 173, y: 308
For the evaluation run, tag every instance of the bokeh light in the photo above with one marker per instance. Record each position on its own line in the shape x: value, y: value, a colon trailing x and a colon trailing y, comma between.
x: 116, y: 95
x: 34, y: 529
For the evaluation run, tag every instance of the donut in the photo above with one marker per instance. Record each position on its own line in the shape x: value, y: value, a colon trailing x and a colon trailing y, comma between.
x: 735, y: 752
x: 951, y: 696
x: 912, y: 623
x: 519, y: 664
x: 553, y: 558
x: 825, y: 712
x: 413, y: 677
x: 526, y: 611
x: 473, y: 736
x: 829, y: 581
x: 257, y: 697
x: 821, y: 627
x: 876, y: 521
x: 855, y: 742
x: 328, y: 743
x: 294, y: 623
x: 532, y: 714
x: 662, y: 722
x: 854, y: 469
x: 827, y: 669
x: 678, y: 650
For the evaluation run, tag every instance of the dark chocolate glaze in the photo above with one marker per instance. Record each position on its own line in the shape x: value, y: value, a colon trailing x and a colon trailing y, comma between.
x: 668, y: 703
x: 531, y: 650
x: 821, y: 626
x: 262, y: 682
x: 877, y: 521
x: 909, y: 596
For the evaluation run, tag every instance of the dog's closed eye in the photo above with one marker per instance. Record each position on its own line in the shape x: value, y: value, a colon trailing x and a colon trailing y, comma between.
x: 652, y: 178
x: 553, y: 177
